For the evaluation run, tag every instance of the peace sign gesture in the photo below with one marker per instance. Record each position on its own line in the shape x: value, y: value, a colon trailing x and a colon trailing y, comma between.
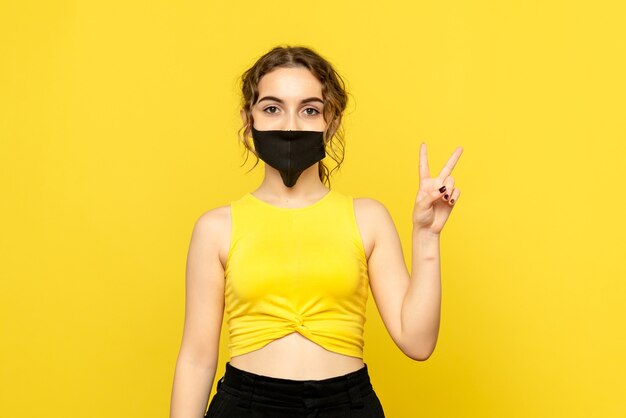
x: 436, y: 196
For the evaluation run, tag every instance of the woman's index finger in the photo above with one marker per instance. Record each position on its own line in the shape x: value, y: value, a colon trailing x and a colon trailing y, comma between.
x: 447, y: 169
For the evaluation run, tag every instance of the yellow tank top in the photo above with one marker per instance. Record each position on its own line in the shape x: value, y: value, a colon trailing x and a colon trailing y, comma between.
x: 296, y: 270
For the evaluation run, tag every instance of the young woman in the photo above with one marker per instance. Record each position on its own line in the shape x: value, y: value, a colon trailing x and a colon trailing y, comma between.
x: 290, y: 264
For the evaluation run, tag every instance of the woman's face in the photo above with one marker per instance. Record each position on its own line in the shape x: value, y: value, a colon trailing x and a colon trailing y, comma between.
x: 289, y: 99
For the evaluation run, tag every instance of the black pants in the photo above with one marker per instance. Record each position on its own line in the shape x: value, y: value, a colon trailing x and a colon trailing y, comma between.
x: 241, y: 394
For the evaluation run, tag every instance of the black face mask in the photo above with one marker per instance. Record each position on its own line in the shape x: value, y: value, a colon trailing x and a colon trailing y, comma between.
x: 289, y: 152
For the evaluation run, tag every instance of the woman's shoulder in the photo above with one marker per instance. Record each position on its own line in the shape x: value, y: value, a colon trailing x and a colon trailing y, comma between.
x: 215, y: 220
x: 368, y: 205
x: 370, y: 211
x: 214, y: 226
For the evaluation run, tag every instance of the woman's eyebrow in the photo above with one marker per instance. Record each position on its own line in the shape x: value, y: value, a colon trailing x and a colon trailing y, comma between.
x: 276, y: 99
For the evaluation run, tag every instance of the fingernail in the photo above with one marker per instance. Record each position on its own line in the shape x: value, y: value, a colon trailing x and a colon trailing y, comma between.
x: 445, y: 196
x: 442, y: 189
x: 452, y: 201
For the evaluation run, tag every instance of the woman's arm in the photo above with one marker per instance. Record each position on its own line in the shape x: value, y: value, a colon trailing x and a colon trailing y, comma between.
x: 410, y: 304
x: 204, y: 309
x: 421, y: 307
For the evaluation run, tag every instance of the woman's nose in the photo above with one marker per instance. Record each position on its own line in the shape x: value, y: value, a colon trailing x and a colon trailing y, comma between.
x: 291, y: 124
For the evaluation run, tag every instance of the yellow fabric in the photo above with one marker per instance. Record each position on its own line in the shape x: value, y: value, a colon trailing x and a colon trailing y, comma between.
x: 296, y: 269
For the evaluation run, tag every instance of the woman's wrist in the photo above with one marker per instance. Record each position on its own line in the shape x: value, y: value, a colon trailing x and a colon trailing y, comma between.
x: 424, y: 233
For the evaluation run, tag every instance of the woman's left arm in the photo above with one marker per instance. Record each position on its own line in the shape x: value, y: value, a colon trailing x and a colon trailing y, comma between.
x: 409, y: 304
x: 421, y: 306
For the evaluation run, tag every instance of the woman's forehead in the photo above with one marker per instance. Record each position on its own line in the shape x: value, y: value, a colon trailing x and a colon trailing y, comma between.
x: 290, y: 84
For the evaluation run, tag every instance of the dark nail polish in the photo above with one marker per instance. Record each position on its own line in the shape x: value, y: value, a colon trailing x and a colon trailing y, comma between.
x: 452, y: 201
x: 442, y: 189
x: 445, y: 196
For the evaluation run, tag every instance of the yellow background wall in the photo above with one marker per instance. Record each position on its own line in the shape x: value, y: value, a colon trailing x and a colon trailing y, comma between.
x: 118, y: 129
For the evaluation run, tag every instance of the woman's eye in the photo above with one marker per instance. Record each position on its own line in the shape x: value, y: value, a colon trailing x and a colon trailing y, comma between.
x: 307, y: 110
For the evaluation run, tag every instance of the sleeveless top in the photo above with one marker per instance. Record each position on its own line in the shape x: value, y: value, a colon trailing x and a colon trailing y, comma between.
x: 296, y: 270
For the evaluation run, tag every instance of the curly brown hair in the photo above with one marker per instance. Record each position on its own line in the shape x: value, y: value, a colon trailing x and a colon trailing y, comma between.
x: 334, y: 95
